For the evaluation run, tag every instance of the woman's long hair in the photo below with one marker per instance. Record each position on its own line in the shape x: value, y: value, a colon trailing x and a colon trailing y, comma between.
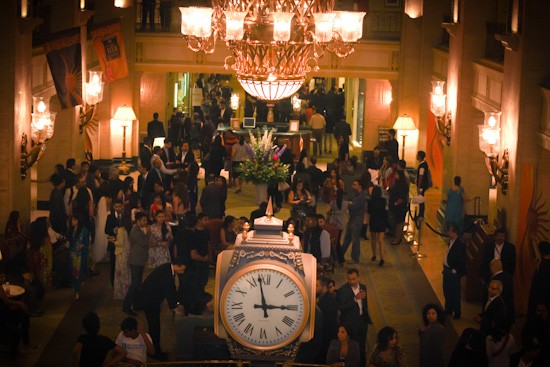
x: 163, y: 226
x: 82, y: 200
x: 11, y: 224
x: 339, y: 197
x: 74, y: 232
x: 182, y: 192
x: 384, y: 336
x: 38, y: 232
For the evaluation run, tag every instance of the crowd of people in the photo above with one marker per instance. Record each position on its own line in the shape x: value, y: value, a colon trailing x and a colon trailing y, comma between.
x: 163, y: 225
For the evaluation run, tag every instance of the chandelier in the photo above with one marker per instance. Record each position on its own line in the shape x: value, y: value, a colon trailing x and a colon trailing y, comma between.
x: 274, y: 43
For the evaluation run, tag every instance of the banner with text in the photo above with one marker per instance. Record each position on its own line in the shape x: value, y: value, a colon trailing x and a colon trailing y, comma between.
x: 109, y: 46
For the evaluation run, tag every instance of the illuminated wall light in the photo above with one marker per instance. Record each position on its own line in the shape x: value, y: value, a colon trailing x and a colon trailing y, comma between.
x: 123, y: 3
x: 414, y: 8
x: 24, y: 8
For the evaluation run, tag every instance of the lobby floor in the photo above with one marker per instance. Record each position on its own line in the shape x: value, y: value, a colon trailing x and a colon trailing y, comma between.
x: 396, y: 294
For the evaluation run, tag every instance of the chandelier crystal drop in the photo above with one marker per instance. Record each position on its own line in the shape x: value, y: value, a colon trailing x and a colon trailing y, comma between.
x: 273, y: 43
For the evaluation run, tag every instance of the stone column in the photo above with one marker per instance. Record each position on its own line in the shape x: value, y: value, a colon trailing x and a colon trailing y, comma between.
x: 15, y: 110
x: 467, y: 44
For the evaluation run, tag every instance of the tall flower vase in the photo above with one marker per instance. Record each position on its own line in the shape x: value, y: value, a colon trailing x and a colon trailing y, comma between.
x: 261, y: 193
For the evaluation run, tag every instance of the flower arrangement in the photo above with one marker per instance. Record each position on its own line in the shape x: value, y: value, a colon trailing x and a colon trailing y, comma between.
x: 264, y: 165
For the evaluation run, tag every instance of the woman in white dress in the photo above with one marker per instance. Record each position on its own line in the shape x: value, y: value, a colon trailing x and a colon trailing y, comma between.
x: 100, y: 242
x: 122, y: 270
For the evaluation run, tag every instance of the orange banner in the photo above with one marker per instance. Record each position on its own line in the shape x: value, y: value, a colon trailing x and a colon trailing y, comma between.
x: 435, y: 144
x: 109, y: 46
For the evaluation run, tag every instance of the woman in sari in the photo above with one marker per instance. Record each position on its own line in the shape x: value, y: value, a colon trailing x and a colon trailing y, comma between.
x: 79, y: 244
x: 122, y: 269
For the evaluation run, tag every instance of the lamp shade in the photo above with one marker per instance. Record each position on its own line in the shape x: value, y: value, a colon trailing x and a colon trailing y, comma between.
x: 124, y: 114
x: 404, y: 123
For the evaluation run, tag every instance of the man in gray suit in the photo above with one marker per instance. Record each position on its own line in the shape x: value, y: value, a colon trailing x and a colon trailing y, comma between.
x: 139, y: 238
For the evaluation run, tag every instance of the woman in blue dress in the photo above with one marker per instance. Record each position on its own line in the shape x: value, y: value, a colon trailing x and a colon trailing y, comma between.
x: 455, y: 204
x: 79, y: 245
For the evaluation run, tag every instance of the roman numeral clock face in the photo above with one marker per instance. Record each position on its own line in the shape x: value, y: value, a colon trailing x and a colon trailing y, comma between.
x: 264, y: 307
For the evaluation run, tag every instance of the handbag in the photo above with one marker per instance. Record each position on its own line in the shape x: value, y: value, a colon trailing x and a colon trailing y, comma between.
x: 283, y: 186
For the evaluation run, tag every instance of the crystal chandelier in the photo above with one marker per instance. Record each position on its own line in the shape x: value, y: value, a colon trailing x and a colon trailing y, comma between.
x: 274, y: 42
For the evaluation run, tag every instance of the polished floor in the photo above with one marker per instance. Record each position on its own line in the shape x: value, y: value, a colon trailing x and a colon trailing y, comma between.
x: 396, y: 294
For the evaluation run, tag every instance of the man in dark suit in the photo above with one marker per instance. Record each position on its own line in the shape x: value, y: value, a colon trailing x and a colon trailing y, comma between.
x: 155, y: 128
x: 145, y: 151
x: 160, y: 285
x: 153, y: 176
x: 392, y: 145
x: 493, y: 310
x: 499, y: 249
x: 329, y: 309
x: 507, y: 288
x: 167, y: 153
x: 316, y: 176
x: 258, y: 213
x: 225, y: 113
x: 71, y: 177
x: 374, y: 160
x: 186, y: 156
x: 352, y: 302
x: 137, y: 257
x: 454, y: 267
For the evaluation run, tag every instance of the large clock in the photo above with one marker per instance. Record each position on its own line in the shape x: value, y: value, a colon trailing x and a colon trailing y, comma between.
x: 264, y: 305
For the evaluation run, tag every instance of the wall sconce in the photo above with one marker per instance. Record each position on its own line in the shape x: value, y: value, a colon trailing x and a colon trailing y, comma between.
x: 234, y: 101
x: 489, y: 143
x: 94, y: 94
x: 123, y: 3
x: 437, y: 106
x: 403, y: 124
x: 125, y: 115
x: 42, y: 127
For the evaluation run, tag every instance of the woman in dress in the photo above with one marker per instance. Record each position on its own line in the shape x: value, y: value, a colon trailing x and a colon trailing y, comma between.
x: 238, y: 155
x: 14, y: 246
x: 304, y: 158
x: 127, y: 193
x: 299, y: 198
x: 79, y: 243
x: 217, y: 154
x: 122, y: 269
x: 193, y: 187
x: 432, y: 336
x: 338, y: 209
x: 386, y: 353
x: 228, y: 233
x: 100, y: 238
x: 343, y: 352
x: 455, y: 204
x: 378, y: 222
x: 40, y: 256
x: 180, y: 202
x: 332, y: 184
x: 399, y: 204
x: 159, y: 242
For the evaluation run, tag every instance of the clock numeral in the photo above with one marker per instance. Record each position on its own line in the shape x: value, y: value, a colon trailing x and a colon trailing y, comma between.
x: 292, y: 307
x: 278, y: 331
x: 239, y: 318
x: 238, y: 306
x: 263, y: 333
x: 252, y: 282
x: 287, y: 320
x: 238, y: 290
x: 288, y: 294
x: 278, y: 284
x: 266, y: 278
x: 249, y: 329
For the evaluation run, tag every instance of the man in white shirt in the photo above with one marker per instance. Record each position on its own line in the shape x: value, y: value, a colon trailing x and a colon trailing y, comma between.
x: 137, y: 344
x: 317, y: 123
x: 70, y: 193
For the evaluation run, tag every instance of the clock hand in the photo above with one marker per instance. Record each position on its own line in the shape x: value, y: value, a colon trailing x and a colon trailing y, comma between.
x: 264, y: 305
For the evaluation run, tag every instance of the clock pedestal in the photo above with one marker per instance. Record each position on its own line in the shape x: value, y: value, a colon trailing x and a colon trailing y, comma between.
x: 265, y: 295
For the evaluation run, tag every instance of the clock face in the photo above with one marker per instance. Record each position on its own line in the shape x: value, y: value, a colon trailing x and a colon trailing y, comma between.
x: 264, y: 306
